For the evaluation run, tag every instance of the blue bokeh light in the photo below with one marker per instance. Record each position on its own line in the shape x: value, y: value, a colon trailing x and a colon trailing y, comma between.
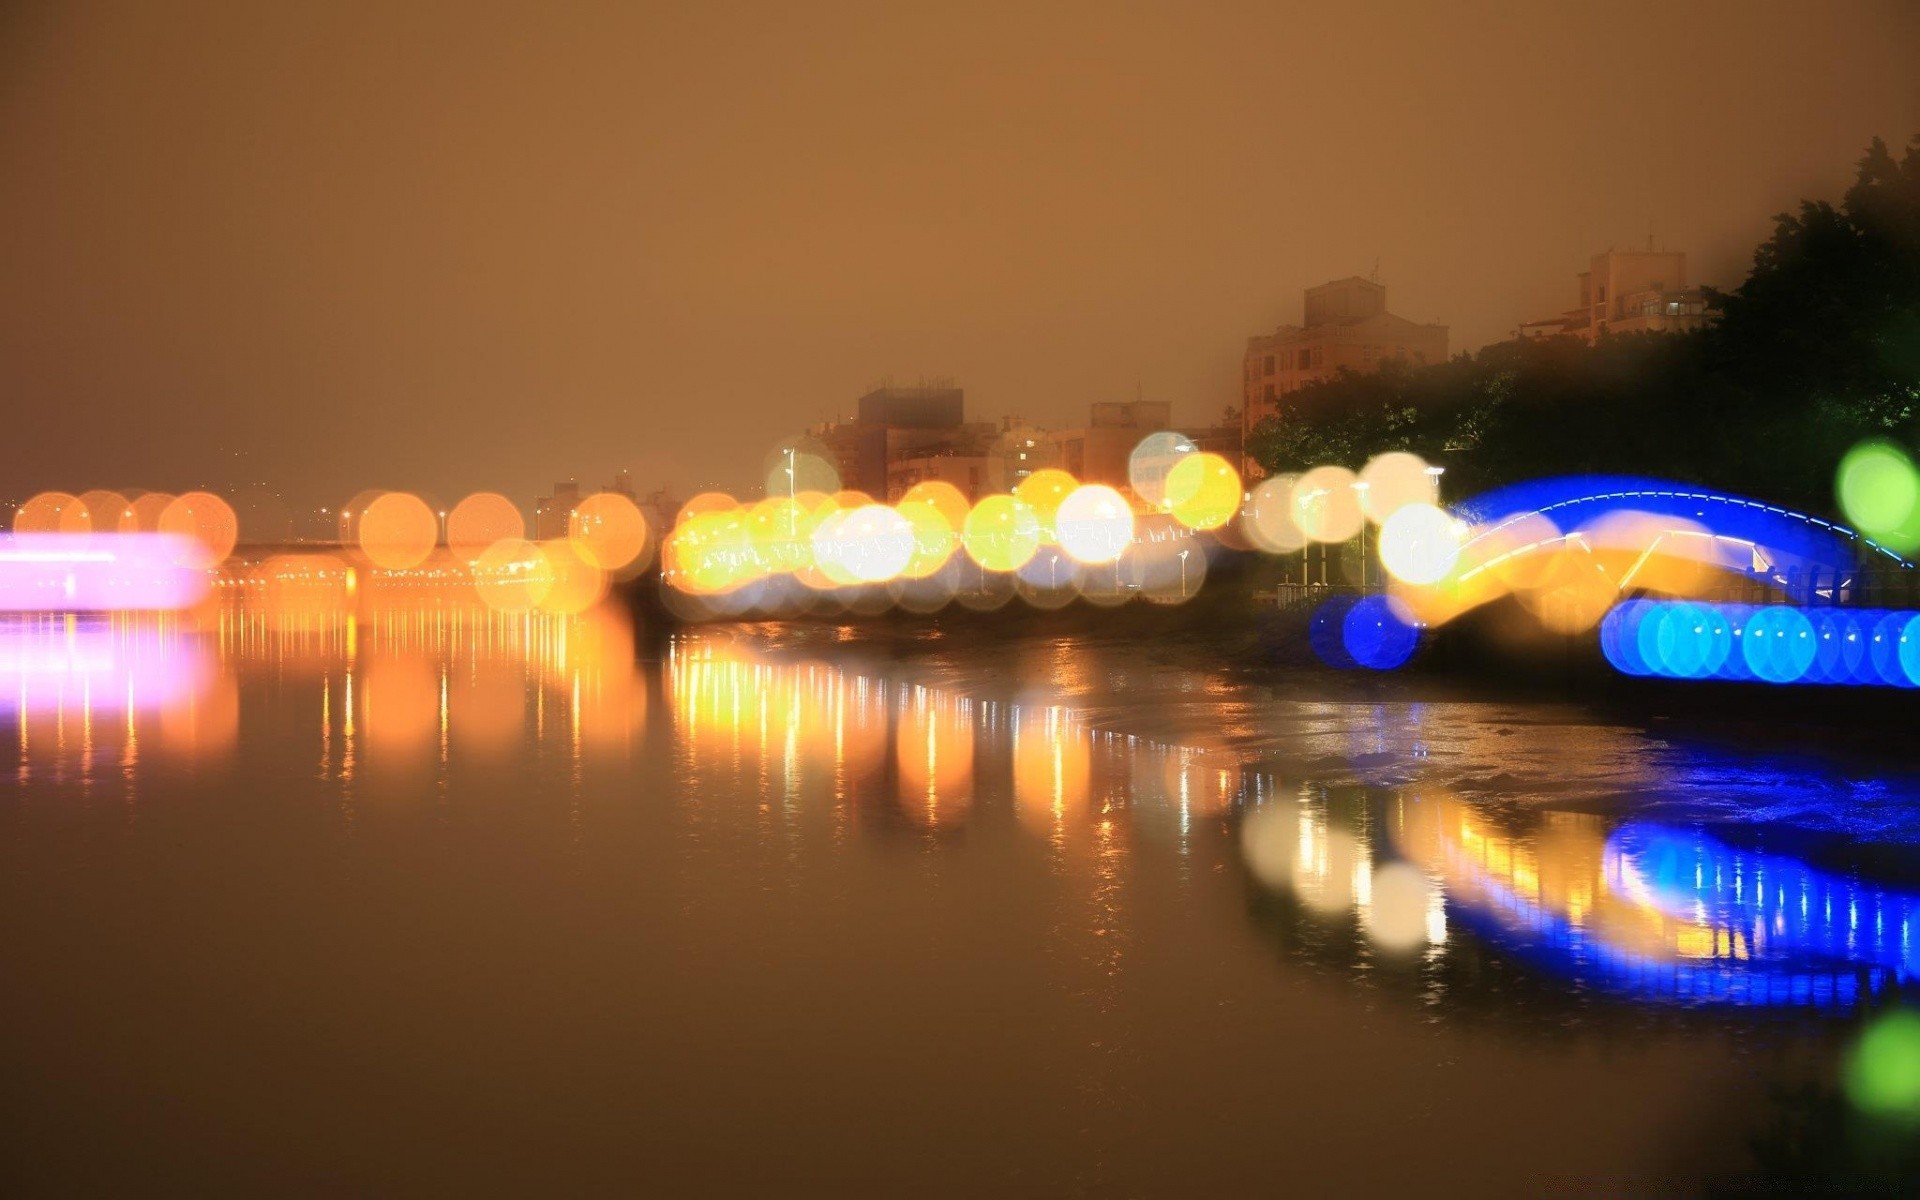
x: 1375, y: 632
x: 1772, y: 643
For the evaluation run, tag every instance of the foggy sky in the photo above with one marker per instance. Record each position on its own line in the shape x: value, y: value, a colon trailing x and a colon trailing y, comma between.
x: 447, y: 247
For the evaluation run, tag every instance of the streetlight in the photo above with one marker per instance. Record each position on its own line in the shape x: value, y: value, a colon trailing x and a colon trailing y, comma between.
x: 1361, y: 487
x: 1434, y: 474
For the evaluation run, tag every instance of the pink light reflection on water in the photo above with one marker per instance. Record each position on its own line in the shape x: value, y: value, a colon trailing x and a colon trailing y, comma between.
x: 47, y: 666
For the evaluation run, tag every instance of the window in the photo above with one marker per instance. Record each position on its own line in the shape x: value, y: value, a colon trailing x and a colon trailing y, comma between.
x: 1269, y: 396
x: 1319, y: 355
x: 1269, y: 364
x: 1369, y: 353
x: 1306, y: 359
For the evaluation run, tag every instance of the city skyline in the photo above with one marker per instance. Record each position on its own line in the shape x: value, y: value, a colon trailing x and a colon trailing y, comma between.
x: 558, y: 252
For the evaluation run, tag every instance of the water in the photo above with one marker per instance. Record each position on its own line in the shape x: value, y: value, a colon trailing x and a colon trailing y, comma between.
x: 511, y: 905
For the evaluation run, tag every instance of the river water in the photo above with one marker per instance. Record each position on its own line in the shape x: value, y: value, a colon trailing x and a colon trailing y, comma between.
x: 470, y: 904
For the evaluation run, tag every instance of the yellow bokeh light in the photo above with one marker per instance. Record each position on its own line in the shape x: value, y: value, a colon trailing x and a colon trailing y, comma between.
x: 945, y: 499
x: 1043, y: 491
x: 1203, y: 491
x: 934, y: 538
x: 869, y: 544
x: 1001, y: 533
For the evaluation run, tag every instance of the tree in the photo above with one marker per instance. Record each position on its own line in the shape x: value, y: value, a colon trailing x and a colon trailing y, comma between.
x: 1817, y: 349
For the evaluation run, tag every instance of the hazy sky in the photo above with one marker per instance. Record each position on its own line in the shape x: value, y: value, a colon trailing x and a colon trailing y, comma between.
x: 463, y: 245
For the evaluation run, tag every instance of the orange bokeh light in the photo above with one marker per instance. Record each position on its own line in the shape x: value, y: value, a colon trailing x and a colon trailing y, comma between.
x: 608, y: 531
x: 481, y: 520
x: 142, y: 513
x: 208, y: 520
x: 398, y: 530
x: 43, y: 513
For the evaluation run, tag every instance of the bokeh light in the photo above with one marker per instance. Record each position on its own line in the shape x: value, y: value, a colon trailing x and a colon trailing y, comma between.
x: 935, y: 536
x: 608, y: 531
x: 1094, y: 524
x: 1397, y: 905
x: 1394, y: 480
x: 1879, y: 490
x: 1377, y: 632
x: 1268, y: 521
x: 44, y: 513
x: 1151, y: 460
x: 397, y: 530
x: 512, y: 576
x: 208, y: 521
x: 870, y: 544
x: 800, y: 465
x: 576, y: 584
x: 1325, y: 505
x: 1419, y: 543
x: 99, y: 511
x: 1001, y: 533
x: 479, y: 521
x: 142, y: 513
x: 1778, y: 643
x: 1043, y: 492
x: 1883, y: 1070
x: 1203, y: 491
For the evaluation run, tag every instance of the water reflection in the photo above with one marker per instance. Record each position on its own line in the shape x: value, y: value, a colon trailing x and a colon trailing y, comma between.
x: 1640, y: 910
x: 1356, y: 857
x: 88, y: 694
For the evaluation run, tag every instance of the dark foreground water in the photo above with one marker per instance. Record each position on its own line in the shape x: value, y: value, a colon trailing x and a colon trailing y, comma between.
x: 537, y: 907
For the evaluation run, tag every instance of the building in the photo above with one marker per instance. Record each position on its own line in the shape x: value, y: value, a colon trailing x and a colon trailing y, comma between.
x: 1346, y: 324
x: 1099, y: 452
x: 1628, y: 291
x: 894, y: 423
x: 553, y: 514
x: 970, y: 473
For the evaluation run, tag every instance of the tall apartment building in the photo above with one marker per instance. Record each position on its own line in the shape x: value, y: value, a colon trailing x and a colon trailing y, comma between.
x: 1345, y: 324
x: 1628, y: 291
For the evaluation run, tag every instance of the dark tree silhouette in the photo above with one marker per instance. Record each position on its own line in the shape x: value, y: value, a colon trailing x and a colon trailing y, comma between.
x: 1816, y: 350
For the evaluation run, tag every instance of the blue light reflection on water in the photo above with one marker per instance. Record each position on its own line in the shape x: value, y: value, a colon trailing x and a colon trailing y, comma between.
x: 1775, y: 904
x: 1660, y: 912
